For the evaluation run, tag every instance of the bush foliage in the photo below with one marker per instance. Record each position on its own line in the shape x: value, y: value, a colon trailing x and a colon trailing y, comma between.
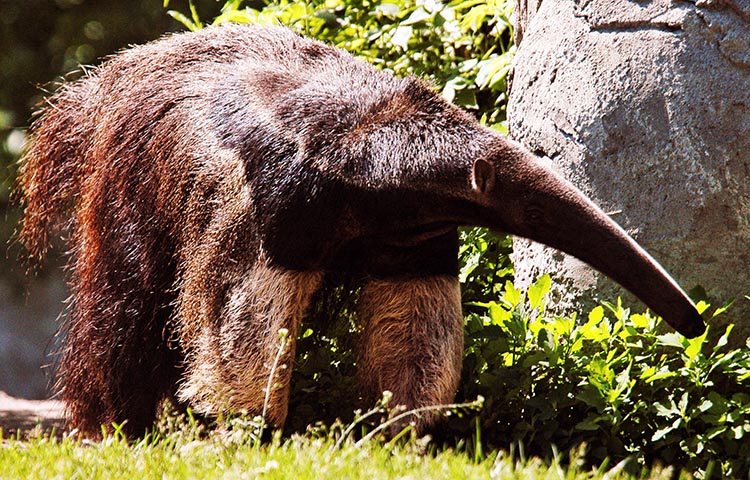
x: 611, y: 380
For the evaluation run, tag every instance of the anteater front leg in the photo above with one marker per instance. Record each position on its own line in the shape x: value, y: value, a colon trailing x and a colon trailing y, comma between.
x: 412, y: 341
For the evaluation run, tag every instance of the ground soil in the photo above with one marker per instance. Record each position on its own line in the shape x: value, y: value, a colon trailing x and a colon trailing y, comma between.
x: 27, y: 417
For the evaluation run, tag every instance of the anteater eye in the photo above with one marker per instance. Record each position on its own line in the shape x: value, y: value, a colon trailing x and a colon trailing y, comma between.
x: 534, y: 214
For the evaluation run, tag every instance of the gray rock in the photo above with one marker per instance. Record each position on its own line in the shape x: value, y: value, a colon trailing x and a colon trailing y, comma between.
x: 646, y: 107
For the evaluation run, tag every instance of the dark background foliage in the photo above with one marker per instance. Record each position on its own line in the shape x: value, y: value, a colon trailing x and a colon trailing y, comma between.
x: 43, y: 40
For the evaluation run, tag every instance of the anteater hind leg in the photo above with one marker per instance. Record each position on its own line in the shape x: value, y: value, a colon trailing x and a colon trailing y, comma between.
x: 234, y: 360
x: 412, y: 341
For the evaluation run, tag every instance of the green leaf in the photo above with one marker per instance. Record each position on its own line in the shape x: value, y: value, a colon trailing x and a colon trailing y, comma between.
x: 694, y: 346
x: 194, y: 13
x: 597, y: 329
x: 723, y: 308
x: 684, y: 402
x: 465, y: 98
x: 498, y: 315
x: 501, y: 127
x: 716, y: 431
x: 538, y: 290
x: 702, y: 306
x: 493, y: 70
x: 471, y: 263
x: 666, y: 411
x: 596, y: 314
x: 724, y: 339
x: 589, y: 424
x: 640, y: 321
x: 663, y: 432
x: 511, y: 295
x: 591, y: 396
x: 417, y: 16
x: 188, y: 23
x: 670, y: 340
x: 390, y: 10
x: 653, y: 375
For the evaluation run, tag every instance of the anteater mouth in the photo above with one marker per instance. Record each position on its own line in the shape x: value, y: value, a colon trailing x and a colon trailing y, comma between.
x: 416, y: 235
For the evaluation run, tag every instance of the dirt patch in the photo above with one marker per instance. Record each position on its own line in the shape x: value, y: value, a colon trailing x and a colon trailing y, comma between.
x: 29, y: 416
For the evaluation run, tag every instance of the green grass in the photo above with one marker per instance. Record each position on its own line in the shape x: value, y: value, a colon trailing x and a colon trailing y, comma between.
x: 180, y: 455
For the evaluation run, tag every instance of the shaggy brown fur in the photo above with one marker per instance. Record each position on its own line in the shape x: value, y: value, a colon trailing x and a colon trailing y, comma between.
x: 413, y: 340
x: 208, y: 180
x: 174, y: 293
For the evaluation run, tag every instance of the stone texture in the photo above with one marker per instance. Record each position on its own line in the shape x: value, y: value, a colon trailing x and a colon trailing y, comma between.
x: 646, y: 107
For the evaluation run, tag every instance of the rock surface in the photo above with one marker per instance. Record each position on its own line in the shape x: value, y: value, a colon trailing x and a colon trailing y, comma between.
x: 645, y: 106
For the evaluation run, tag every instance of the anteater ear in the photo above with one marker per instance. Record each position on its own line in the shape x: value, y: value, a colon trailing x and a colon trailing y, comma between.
x: 482, y: 176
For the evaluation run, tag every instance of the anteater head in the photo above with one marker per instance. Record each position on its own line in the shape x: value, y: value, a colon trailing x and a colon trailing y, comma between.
x: 521, y: 195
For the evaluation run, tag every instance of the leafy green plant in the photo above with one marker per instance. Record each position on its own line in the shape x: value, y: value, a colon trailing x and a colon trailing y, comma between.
x: 485, y: 264
x: 611, y: 382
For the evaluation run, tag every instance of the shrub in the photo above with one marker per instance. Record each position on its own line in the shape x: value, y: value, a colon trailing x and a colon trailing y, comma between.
x: 610, y: 381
